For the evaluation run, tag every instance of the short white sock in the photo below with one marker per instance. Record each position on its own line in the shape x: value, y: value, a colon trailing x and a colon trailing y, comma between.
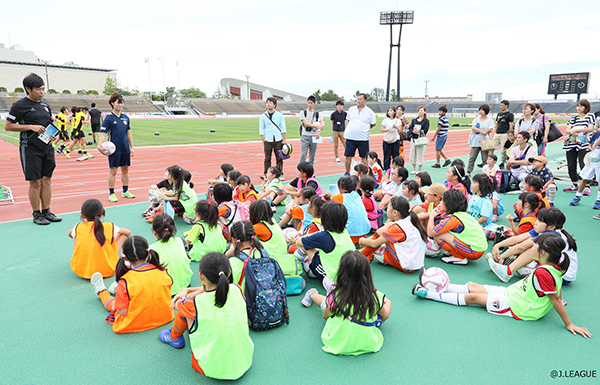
x: 578, y: 194
x: 462, y: 289
x: 457, y: 299
x: 598, y: 196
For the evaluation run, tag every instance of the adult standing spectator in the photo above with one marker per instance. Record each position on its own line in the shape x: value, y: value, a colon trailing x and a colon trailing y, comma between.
x: 481, y: 126
x: 271, y: 128
x: 527, y: 122
x: 361, y: 119
x: 95, y: 120
x: 30, y: 116
x: 338, y: 125
x: 504, y: 123
x: 418, y: 128
x: 578, y: 128
x: 117, y: 126
x: 391, y: 137
x: 541, y: 135
x: 310, y: 130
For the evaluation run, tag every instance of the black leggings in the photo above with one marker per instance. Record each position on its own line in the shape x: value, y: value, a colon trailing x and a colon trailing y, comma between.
x: 573, y: 158
x: 390, y: 151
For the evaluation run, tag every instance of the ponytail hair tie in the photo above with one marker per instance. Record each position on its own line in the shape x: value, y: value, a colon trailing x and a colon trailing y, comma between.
x: 221, y: 273
x: 167, y: 229
x: 164, y: 220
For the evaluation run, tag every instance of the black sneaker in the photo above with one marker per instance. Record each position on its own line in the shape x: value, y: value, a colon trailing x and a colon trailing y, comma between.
x: 447, y: 163
x: 501, y: 166
x: 40, y: 219
x: 80, y: 152
x: 480, y: 165
x: 51, y: 217
x: 436, y: 166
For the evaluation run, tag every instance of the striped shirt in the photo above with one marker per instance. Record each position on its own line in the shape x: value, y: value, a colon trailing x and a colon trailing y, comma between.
x: 444, y: 125
x: 577, y: 122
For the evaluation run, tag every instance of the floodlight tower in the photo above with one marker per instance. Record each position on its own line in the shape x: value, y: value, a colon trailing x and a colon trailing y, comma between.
x: 395, y: 18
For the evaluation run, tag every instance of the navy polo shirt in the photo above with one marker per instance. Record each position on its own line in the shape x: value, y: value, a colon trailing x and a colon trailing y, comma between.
x: 339, y: 120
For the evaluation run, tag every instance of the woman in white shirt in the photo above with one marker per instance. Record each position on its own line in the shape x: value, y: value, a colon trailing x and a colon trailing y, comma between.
x: 481, y: 126
x: 391, y: 137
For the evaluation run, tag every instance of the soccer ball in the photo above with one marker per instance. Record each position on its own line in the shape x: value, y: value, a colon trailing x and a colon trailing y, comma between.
x: 153, y: 196
x: 528, y: 269
x: 290, y: 234
x: 286, y: 151
x: 109, y: 147
x: 435, y: 279
x: 432, y: 249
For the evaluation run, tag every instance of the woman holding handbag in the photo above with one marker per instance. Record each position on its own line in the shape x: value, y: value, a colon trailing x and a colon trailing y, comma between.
x: 576, y: 145
x: 541, y: 134
x: 481, y: 126
x: 391, y: 136
x: 417, y: 132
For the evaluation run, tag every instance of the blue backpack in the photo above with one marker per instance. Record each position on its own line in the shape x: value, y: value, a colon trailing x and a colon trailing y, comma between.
x: 265, y: 292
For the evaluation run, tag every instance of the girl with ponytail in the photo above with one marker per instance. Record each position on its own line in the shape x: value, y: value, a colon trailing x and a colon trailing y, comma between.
x: 172, y: 252
x: 530, y: 298
x: 206, y: 236
x: 215, y: 315
x: 95, y: 244
x: 244, y: 244
x: 401, y: 241
x: 143, y: 290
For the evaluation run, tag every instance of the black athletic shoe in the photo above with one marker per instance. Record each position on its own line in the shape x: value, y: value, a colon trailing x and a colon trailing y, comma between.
x: 436, y: 166
x: 447, y: 163
x: 501, y: 166
x: 51, y: 217
x: 40, y: 219
x: 480, y: 165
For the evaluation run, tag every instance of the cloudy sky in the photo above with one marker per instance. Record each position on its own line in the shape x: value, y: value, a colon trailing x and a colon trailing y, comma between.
x: 462, y: 47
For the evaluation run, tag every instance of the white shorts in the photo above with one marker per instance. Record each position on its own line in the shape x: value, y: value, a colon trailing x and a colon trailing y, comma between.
x: 496, y: 301
x: 588, y: 173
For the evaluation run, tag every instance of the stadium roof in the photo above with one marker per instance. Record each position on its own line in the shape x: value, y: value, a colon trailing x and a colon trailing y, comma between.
x: 239, y: 88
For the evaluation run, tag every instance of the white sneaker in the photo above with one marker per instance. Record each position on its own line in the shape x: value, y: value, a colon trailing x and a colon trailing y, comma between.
x: 97, y: 282
x: 328, y: 284
x: 413, y: 172
x: 337, y: 160
x: 112, y: 289
x: 307, y: 301
x: 455, y: 261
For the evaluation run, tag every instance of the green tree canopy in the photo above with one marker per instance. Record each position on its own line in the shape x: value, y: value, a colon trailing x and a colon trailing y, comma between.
x: 192, y: 92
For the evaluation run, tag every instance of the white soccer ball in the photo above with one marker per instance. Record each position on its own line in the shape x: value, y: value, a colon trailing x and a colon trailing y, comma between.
x: 528, y: 269
x: 109, y: 147
x: 290, y: 234
x: 153, y: 196
x: 435, y: 279
x: 432, y: 249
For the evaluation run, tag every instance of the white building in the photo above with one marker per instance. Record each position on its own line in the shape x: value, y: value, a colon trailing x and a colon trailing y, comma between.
x: 16, y: 63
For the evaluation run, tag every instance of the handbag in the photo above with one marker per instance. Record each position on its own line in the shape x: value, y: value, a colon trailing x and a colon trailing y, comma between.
x: 487, y: 144
x: 421, y: 141
x: 554, y: 133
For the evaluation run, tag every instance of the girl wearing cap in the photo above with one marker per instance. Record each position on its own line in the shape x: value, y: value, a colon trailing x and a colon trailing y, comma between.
x: 433, y: 197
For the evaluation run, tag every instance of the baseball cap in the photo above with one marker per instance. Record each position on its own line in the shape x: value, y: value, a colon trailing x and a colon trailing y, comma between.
x: 592, y: 159
x: 540, y: 158
x: 436, y: 188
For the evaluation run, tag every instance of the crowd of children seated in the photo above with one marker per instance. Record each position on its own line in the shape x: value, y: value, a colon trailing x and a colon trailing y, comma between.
x: 334, y: 233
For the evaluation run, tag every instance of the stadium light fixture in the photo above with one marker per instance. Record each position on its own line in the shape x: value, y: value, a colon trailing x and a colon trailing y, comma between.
x: 46, y: 66
x: 248, y: 86
x: 392, y: 18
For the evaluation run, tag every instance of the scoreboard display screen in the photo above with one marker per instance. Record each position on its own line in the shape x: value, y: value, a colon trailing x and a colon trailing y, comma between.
x: 569, y: 83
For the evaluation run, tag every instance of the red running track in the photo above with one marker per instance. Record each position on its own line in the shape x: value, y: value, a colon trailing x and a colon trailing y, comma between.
x: 73, y: 182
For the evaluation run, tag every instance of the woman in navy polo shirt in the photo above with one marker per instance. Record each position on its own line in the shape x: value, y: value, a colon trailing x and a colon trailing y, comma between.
x: 116, y: 126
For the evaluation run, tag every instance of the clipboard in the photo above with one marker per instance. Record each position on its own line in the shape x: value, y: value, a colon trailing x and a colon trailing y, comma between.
x: 41, y: 140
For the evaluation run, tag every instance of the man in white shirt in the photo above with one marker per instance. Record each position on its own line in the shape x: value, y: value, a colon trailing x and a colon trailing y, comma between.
x: 360, y: 121
x: 518, y: 160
